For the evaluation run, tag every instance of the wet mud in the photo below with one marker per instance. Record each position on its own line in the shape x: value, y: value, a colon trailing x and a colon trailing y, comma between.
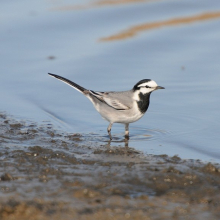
x: 50, y: 174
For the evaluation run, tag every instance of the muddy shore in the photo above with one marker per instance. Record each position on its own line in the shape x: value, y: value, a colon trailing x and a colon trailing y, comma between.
x: 49, y: 174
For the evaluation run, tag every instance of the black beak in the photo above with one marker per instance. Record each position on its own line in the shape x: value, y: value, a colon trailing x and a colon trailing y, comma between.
x: 159, y: 87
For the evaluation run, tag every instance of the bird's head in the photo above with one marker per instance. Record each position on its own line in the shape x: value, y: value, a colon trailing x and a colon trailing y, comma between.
x: 146, y: 86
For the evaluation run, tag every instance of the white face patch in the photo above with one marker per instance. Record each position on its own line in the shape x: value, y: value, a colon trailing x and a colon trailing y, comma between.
x: 142, y: 90
x: 145, y: 90
x: 151, y: 84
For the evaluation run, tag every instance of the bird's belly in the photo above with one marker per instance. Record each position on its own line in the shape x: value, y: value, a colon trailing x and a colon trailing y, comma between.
x: 119, y: 116
x: 128, y: 118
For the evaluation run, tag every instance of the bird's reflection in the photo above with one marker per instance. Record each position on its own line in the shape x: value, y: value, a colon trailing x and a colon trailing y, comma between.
x: 125, y: 141
x: 112, y: 146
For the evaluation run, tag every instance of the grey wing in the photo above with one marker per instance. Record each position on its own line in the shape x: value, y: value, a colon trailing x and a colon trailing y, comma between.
x: 116, y: 100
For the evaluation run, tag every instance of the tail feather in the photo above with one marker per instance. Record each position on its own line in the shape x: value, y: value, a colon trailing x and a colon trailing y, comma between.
x: 70, y: 83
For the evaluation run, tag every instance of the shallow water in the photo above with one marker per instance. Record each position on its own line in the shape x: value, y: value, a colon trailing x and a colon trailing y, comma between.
x: 48, y: 174
x: 111, y: 47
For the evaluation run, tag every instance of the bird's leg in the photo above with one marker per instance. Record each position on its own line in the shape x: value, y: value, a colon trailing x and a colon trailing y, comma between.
x: 126, y: 143
x: 126, y: 131
x: 109, y: 130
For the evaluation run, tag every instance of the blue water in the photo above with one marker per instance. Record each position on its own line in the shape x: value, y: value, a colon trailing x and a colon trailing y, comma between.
x: 38, y: 37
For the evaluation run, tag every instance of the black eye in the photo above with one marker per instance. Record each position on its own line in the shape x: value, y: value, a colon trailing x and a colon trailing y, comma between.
x: 148, y: 87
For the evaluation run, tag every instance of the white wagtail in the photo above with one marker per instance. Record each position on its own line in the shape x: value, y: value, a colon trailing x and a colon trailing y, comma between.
x: 119, y: 107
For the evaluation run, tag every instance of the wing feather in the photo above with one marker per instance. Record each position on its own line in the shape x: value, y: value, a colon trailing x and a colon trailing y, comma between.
x: 113, y: 99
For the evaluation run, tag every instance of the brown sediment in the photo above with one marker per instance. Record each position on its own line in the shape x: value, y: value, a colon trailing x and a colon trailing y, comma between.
x: 46, y: 174
x: 131, y: 32
x: 100, y: 3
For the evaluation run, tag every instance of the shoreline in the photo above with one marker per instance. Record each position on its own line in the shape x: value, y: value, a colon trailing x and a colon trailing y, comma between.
x: 45, y: 173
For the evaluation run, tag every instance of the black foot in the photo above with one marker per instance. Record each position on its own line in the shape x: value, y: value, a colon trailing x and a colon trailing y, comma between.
x: 126, y: 137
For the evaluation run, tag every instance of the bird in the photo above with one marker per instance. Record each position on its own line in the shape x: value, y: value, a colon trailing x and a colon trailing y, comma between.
x: 123, y: 107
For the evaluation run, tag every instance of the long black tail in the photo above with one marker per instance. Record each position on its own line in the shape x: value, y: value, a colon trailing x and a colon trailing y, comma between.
x: 70, y: 83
